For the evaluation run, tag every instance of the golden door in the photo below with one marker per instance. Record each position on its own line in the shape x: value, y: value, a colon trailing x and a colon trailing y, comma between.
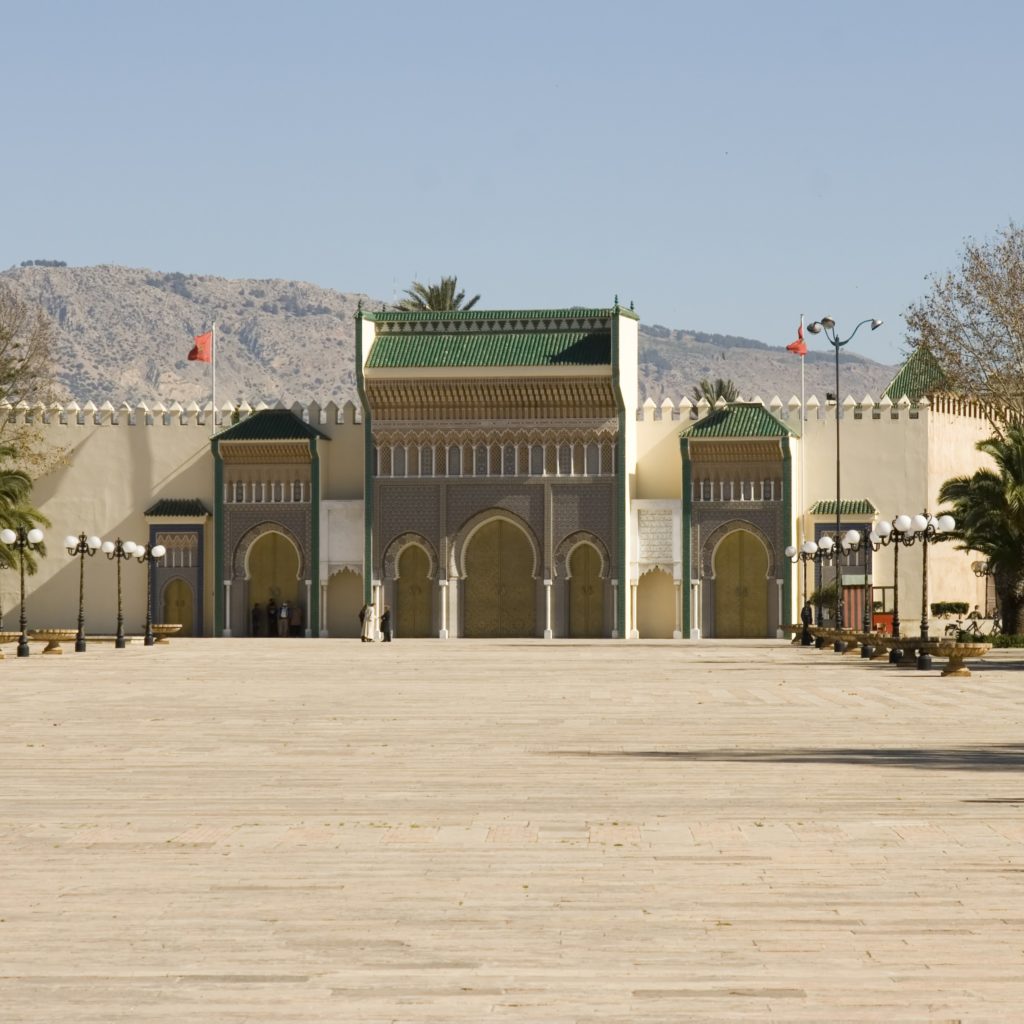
x: 500, y: 594
x: 586, y: 593
x: 177, y: 606
x: 741, y: 587
x: 414, y: 615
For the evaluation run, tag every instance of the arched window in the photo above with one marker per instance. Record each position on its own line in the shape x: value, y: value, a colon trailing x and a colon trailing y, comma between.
x: 454, y: 460
x: 593, y: 460
x: 426, y: 460
x: 398, y: 460
x: 536, y: 460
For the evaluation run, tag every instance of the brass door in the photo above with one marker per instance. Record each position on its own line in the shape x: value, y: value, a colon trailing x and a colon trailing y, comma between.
x: 414, y: 614
x: 741, y: 587
x: 586, y: 593
x: 178, y: 606
x: 500, y: 593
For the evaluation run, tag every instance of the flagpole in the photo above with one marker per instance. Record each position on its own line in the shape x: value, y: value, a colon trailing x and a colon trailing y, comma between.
x: 213, y: 364
x: 803, y: 446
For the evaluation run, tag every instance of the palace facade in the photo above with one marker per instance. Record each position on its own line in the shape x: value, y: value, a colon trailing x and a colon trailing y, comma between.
x: 496, y: 479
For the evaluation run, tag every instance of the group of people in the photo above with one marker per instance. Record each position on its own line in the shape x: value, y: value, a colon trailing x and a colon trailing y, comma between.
x: 277, y: 620
x: 368, y: 623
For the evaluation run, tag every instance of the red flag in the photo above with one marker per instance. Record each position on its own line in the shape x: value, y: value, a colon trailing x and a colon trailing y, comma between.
x: 202, y: 350
x: 798, y: 347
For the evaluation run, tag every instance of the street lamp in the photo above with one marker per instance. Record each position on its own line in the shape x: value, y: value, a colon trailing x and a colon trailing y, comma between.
x: 928, y: 530
x: 22, y: 540
x: 119, y: 550
x: 828, y: 325
x: 808, y: 553
x: 898, y: 533
x: 81, y: 546
x: 146, y: 556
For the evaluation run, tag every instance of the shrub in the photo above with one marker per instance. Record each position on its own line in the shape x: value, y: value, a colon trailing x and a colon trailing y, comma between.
x: 940, y: 609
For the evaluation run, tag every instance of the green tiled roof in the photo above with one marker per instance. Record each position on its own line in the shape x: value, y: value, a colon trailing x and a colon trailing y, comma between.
x: 847, y: 507
x: 738, y: 420
x: 270, y: 425
x: 920, y: 375
x: 401, y: 316
x: 178, y: 508
x: 556, y: 348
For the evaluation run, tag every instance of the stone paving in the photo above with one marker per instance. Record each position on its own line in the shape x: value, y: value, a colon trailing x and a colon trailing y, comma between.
x: 301, y: 831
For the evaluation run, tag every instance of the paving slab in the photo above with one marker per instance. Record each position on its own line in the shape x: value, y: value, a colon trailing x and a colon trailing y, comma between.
x: 298, y: 831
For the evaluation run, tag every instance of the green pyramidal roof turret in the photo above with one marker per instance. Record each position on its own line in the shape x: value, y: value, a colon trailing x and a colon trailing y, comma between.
x: 920, y: 375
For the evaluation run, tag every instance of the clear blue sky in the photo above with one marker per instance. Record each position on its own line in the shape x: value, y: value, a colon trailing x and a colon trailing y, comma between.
x: 724, y: 165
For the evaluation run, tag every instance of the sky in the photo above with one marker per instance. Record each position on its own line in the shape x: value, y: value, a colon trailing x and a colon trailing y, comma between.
x: 726, y: 166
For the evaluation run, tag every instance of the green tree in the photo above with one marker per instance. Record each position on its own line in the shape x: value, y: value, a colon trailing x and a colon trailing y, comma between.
x: 436, y: 297
x: 972, y: 321
x: 712, y: 392
x: 15, y: 510
x: 989, y: 510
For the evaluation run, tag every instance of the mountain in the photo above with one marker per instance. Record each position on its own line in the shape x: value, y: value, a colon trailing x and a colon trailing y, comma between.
x: 124, y: 334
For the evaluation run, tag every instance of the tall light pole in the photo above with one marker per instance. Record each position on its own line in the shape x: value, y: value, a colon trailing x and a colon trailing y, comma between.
x: 808, y: 553
x: 22, y: 540
x: 828, y: 325
x: 147, y: 555
x: 120, y: 551
x: 81, y: 546
x: 928, y: 529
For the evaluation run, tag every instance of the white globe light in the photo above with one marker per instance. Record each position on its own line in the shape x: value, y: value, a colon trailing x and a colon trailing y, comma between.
x: 70, y: 542
x: 108, y: 547
x: 901, y: 523
x: 8, y: 536
x: 884, y: 528
x: 852, y: 538
x: 919, y: 523
x: 159, y: 551
x: 129, y: 547
x: 875, y: 537
x: 790, y: 551
x: 947, y: 524
x: 35, y: 536
x: 810, y: 548
x: 94, y: 543
x: 826, y: 544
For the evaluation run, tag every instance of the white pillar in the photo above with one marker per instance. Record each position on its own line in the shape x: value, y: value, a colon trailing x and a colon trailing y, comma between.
x: 694, y: 609
x: 779, y: 632
x: 677, y: 588
x: 227, y: 608
x: 323, y: 608
x: 547, y: 610
x: 634, y: 633
x: 615, y: 609
x: 309, y: 607
x: 375, y: 595
x: 442, y: 633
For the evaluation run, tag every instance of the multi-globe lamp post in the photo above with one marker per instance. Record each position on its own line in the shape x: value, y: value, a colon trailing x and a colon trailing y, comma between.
x: 22, y: 540
x: 81, y: 546
x: 147, y: 555
x: 827, y: 325
x: 120, y: 551
x: 808, y: 552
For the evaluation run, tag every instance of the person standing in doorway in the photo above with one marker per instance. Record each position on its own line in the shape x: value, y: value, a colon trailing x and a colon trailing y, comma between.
x: 282, y: 619
x: 271, y: 617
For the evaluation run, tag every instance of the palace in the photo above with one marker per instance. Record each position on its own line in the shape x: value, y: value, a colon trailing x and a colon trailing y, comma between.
x: 497, y: 479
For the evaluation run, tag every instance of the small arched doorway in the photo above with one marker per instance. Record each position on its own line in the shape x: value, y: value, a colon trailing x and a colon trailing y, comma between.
x: 741, y: 586
x: 272, y: 565
x: 414, y: 612
x: 586, y: 593
x: 176, y: 605
x: 656, y: 605
x: 500, y: 592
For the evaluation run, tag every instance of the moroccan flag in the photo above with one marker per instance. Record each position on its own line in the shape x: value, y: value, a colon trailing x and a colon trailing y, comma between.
x: 202, y: 350
x: 798, y: 347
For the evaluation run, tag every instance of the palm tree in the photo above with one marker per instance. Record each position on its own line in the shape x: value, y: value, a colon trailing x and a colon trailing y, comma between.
x: 15, y: 511
x: 437, y: 298
x: 712, y: 392
x: 989, y: 510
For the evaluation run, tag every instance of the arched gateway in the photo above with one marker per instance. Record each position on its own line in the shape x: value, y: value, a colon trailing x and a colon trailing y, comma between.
x: 500, y: 591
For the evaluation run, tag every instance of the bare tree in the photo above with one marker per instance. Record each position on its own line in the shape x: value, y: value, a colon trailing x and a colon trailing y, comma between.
x: 972, y: 321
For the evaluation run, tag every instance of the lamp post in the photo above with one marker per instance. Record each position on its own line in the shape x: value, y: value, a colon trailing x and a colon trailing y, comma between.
x: 120, y: 551
x: 22, y: 540
x: 897, y: 533
x: 928, y: 529
x: 81, y: 546
x: 808, y: 553
x: 983, y: 570
x: 147, y: 555
x: 828, y: 325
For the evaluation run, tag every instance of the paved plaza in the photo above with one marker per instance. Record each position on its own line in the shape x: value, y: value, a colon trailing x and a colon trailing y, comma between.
x: 286, y: 830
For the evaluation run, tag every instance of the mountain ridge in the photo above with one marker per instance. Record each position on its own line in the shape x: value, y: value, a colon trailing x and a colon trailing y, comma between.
x: 123, y: 335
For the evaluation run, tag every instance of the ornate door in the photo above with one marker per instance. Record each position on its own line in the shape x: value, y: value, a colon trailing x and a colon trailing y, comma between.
x: 414, y: 615
x: 177, y: 606
x: 500, y: 593
x: 741, y: 587
x: 586, y: 593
